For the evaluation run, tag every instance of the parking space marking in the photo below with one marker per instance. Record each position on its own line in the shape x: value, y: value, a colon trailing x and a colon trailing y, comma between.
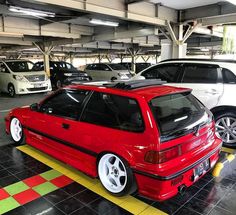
x: 128, y: 202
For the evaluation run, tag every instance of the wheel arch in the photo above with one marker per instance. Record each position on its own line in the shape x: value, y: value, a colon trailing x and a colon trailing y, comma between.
x: 223, y: 108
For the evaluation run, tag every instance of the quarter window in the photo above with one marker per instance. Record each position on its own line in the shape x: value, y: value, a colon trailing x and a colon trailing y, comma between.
x: 113, y: 111
x: 228, y: 76
x: 168, y: 73
x: 65, y: 104
x: 200, y: 74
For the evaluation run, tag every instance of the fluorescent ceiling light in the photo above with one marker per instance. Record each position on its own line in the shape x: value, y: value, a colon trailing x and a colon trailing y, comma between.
x: 103, y: 22
x: 232, y: 1
x: 31, y: 12
x: 11, y: 34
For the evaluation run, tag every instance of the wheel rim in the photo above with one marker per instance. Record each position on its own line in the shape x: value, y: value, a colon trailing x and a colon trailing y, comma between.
x: 112, y: 173
x: 58, y: 84
x: 16, y: 129
x: 226, y: 129
x: 11, y: 91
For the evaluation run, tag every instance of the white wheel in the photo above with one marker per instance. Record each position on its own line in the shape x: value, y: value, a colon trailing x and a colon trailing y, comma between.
x: 112, y: 173
x: 16, y: 130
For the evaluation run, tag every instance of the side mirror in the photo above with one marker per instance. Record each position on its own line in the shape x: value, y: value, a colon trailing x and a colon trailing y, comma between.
x: 34, y: 107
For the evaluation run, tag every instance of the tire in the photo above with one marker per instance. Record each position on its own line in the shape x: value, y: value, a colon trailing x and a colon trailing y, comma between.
x: 16, y: 131
x: 113, y: 78
x: 115, y: 175
x: 226, y: 127
x: 11, y: 90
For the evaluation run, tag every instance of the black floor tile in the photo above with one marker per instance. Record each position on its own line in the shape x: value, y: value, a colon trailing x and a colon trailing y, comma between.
x: 40, y: 169
x: 208, y: 177
x: 186, y: 211
x: 228, y: 201
x: 225, y: 182
x: 16, y: 169
x: 4, y: 158
x: 85, y: 211
x: 38, y: 206
x: 4, y: 173
x: 220, y: 211
x: 74, y: 188
x: 201, y: 183
x: 218, y: 187
x: 199, y: 206
x: 118, y: 211
x: 168, y: 206
x: 25, y: 174
x: 102, y: 206
x: 144, y: 199
x: 69, y: 205
x: 56, y: 196
x: 18, y: 211
x: 87, y: 196
x: 8, y: 180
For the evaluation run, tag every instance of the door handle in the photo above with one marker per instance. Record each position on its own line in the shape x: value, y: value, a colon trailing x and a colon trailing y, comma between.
x: 65, y: 126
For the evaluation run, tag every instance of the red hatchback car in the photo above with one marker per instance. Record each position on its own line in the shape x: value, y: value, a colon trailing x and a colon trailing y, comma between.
x: 133, y: 135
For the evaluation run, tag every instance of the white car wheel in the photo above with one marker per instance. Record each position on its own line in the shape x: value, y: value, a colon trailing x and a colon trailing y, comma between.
x: 16, y: 130
x: 112, y: 173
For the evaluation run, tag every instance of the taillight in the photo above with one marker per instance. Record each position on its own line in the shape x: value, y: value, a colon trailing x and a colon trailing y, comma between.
x: 156, y: 157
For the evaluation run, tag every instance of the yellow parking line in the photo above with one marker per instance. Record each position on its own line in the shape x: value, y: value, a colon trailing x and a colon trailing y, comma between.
x: 228, y: 150
x: 129, y: 203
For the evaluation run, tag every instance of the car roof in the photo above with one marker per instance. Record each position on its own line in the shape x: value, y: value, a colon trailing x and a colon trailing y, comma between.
x: 147, y: 92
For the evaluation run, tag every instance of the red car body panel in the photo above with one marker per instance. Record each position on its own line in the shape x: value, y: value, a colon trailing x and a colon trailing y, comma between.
x: 82, y: 144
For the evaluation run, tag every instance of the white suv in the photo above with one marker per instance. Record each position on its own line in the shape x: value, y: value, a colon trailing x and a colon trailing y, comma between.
x: 17, y: 77
x: 213, y: 82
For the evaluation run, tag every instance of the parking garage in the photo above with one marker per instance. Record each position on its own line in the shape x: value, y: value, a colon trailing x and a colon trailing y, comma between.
x: 117, y: 107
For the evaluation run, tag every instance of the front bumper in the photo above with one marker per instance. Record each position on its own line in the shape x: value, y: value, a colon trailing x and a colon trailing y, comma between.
x: 33, y: 87
x: 161, y: 188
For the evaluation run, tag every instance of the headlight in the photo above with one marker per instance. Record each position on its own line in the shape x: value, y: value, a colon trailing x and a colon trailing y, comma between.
x: 20, y: 78
x: 85, y: 74
x: 68, y: 74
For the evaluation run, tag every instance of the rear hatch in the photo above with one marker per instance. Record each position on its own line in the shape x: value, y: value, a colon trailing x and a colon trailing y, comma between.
x: 186, y: 130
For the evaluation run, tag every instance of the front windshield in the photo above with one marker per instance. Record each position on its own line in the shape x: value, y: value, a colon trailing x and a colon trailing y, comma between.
x: 20, y: 66
x: 117, y: 67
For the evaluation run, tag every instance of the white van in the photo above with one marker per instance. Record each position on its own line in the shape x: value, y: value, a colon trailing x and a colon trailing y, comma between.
x: 19, y: 77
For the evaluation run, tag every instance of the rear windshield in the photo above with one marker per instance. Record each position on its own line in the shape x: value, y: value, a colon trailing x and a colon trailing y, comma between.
x: 177, y: 114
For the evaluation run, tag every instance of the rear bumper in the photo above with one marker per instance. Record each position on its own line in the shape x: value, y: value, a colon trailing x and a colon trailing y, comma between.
x: 161, y: 188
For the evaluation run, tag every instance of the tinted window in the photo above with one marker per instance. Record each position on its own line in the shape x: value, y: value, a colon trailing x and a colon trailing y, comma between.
x: 117, y: 67
x: 113, y: 111
x: 200, y: 74
x: 167, y: 73
x: 65, y: 104
x: 20, y: 66
x: 176, y: 114
x: 3, y: 68
x: 38, y: 66
x: 103, y: 67
x: 228, y: 76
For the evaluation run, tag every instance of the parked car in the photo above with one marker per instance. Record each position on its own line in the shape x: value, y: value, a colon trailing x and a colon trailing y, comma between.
x: 213, y: 83
x: 159, y: 139
x: 107, y: 71
x: 19, y: 77
x: 138, y: 66
x: 63, y: 73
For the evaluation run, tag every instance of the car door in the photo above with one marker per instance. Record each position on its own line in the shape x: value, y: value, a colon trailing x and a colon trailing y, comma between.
x: 105, y: 72
x: 205, y: 80
x: 4, y: 77
x: 54, y: 127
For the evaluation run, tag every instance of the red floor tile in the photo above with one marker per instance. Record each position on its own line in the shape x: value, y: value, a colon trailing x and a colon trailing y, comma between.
x: 34, y: 181
x: 3, y: 194
x: 26, y: 196
x: 61, y: 181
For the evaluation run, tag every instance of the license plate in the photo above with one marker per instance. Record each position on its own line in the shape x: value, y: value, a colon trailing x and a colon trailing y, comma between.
x: 38, y: 85
x: 201, y: 169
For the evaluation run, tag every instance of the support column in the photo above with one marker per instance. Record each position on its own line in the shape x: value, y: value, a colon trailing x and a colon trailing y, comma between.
x: 45, y: 49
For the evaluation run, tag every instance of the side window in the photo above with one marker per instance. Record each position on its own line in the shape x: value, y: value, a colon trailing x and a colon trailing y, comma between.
x: 3, y: 68
x: 228, y: 76
x: 104, y: 67
x: 65, y: 104
x: 200, y: 73
x: 167, y: 73
x: 113, y: 111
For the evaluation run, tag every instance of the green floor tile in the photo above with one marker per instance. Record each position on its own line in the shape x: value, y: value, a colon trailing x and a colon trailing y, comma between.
x: 8, y: 204
x: 16, y: 188
x: 45, y: 188
x: 51, y: 174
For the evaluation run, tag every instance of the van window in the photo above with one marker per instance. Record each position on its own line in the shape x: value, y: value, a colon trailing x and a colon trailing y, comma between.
x: 195, y: 73
x: 228, y: 76
x: 3, y: 68
x: 113, y: 111
x: 20, y: 66
x: 176, y: 114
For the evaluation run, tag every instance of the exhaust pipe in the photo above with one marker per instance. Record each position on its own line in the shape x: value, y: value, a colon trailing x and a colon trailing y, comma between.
x: 182, y: 189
